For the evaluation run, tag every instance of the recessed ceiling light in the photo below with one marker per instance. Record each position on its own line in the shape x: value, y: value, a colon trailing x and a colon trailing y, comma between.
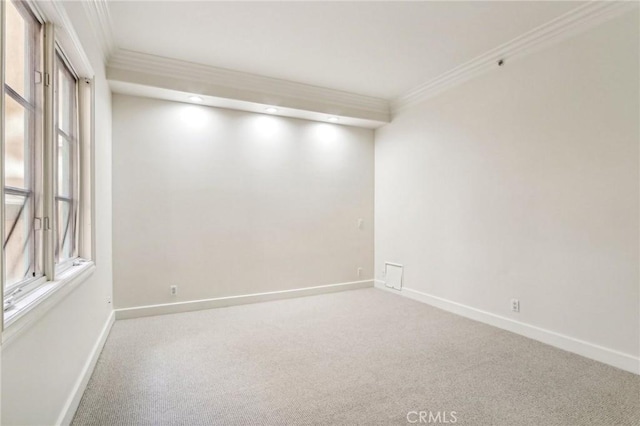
x: 333, y: 119
x: 271, y: 110
x: 195, y: 98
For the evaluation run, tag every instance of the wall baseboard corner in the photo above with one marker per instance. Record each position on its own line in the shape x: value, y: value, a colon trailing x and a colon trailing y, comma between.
x: 592, y: 351
x: 70, y: 407
x: 221, y: 302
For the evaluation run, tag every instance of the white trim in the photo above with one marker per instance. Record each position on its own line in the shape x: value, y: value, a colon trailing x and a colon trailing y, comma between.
x: 32, y: 307
x: 140, y: 69
x: 135, y: 68
x: 100, y: 18
x: 150, y: 91
x: 136, y: 71
x: 577, y: 20
x: 128, y: 60
x: 70, y: 407
x: 221, y: 302
x: 580, y: 347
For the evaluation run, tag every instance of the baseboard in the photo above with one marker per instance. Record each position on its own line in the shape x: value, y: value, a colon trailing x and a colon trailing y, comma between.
x: 73, y: 401
x: 580, y: 347
x: 221, y: 302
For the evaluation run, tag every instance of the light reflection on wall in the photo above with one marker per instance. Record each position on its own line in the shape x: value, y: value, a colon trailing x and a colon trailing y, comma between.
x: 324, y: 143
x: 266, y: 127
x: 325, y: 133
x: 194, y: 117
x: 267, y: 141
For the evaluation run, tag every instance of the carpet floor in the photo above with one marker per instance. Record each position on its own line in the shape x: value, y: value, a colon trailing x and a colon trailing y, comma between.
x: 351, y: 358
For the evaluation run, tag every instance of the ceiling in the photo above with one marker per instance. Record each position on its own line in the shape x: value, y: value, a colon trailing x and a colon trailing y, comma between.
x: 377, y: 49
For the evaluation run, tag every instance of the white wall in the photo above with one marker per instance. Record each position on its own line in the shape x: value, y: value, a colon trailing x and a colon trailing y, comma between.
x: 523, y: 183
x: 42, y: 366
x: 224, y: 203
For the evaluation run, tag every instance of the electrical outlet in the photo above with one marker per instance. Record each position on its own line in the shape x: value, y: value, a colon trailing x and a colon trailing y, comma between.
x: 360, y: 224
x: 108, y: 300
x: 515, y: 305
x: 359, y: 272
x: 174, y: 290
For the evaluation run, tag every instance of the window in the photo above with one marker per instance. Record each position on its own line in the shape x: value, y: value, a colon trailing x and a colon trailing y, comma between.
x: 22, y: 239
x: 66, y: 164
x: 46, y: 159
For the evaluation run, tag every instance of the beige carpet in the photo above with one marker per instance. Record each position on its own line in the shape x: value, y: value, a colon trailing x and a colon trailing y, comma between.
x: 357, y: 357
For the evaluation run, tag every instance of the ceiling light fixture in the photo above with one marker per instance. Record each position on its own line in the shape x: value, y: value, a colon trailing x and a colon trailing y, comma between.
x: 195, y: 98
x: 332, y: 119
x: 271, y: 110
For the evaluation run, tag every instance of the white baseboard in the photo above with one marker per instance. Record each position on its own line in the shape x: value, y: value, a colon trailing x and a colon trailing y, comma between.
x: 221, y: 302
x: 73, y: 401
x: 580, y: 347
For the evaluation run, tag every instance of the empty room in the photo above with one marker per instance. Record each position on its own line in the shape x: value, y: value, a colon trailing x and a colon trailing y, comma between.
x: 320, y: 213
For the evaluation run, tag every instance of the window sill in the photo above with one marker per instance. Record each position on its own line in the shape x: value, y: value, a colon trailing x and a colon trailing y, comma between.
x: 36, y: 304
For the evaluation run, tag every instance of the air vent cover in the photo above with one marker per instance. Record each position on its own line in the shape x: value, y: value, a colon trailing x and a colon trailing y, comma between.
x: 393, y: 275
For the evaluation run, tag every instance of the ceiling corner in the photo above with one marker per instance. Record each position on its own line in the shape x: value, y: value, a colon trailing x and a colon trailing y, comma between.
x: 577, y: 20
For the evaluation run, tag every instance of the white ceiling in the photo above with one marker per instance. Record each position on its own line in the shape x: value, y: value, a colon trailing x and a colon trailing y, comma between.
x: 380, y: 49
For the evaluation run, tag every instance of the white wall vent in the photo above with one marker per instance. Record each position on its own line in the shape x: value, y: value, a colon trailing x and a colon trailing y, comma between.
x: 393, y: 275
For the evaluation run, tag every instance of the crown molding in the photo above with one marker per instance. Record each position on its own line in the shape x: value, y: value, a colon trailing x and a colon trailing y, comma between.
x: 143, y: 69
x: 571, y: 23
x: 128, y: 69
x: 156, y: 65
x: 136, y: 68
x: 98, y: 13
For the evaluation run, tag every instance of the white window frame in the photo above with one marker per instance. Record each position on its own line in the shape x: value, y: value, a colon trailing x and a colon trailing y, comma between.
x: 61, y: 60
x: 41, y: 294
x: 25, y: 286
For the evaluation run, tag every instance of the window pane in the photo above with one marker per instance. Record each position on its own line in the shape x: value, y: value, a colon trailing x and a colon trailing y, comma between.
x: 66, y: 163
x: 64, y: 180
x: 65, y: 230
x: 66, y: 99
x: 16, y: 49
x: 15, y: 139
x: 22, y: 145
x: 18, y: 242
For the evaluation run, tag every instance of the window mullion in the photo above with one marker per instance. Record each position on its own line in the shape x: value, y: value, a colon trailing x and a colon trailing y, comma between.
x: 85, y: 150
x: 2, y: 79
x: 50, y: 137
x: 76, y: 169
x: 19, y: 99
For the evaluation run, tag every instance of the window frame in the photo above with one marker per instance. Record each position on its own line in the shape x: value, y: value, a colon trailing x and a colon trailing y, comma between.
x: 38, y: 294
x: 31, y: 101
x: 74, y: 138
